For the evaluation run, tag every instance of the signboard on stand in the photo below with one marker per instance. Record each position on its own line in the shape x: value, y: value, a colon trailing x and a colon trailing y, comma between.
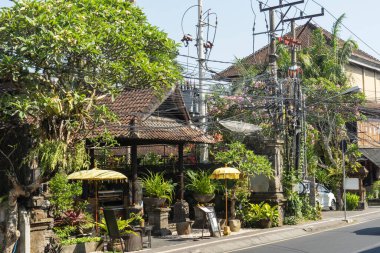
x: 211, y: 217
x: 352, y: 184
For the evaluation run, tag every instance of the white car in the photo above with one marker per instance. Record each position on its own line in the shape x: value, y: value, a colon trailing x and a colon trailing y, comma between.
x: 325, y: 198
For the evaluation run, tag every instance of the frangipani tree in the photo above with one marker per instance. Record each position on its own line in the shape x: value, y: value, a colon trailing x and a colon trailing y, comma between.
x: 58, y: 58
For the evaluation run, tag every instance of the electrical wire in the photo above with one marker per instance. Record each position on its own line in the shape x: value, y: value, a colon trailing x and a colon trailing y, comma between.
x: 253, y: 31
x: 361, y: 40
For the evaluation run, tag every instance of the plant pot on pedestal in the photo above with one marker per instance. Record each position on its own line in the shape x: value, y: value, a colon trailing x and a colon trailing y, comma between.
x: 203, y: 198
x: 157, y: 189
x: 151, y: 203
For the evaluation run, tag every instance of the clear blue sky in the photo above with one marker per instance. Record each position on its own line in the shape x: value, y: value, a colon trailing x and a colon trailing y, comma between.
x: 235, y: 21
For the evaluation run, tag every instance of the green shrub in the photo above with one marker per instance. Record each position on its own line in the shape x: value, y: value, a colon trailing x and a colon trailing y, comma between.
x: 151, y: 159
x: 291, y: 220
x: 157, y: 187
x: 63, y: 193
x: 352, y: 201
x: 308, y: 211
x: 80, y: 240
x: 294, y: 205
x: 124, y: 226
x: 63, y: 233
x: 200, y: 182
x: 262, y: 211
x: 298, y: 208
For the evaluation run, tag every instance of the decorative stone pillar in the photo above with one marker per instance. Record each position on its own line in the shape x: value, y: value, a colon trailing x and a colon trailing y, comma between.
x: 25, y: 231
x: 181, y: 211
x: 159, y: 219
x: 266, y: 189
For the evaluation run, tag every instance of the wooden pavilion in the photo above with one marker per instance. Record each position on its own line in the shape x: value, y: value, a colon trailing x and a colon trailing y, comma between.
x: 145, y: 118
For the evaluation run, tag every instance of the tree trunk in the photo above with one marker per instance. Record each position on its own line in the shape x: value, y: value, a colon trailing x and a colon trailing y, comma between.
x: 11, y: 232
x: 232, y: 208
x: 327, y: 149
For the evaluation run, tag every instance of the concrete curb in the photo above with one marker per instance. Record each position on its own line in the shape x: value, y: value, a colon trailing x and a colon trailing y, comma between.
x: 261, y: 237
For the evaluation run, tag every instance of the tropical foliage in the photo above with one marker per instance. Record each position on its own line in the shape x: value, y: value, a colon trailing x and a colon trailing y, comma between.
x: 59, y: 59
x: 63, y: 193
x: 255, y: 213
x: 124, y: 226
x: 151, y: 158
x: 352, y: 201
x: 237, y: 155
x: 156, y: 186
x: 329, y: 110
x: 298, y: 208
x: 200, y: 182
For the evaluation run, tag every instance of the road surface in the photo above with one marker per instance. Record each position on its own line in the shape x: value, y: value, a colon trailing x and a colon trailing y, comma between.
x: 355, y: 238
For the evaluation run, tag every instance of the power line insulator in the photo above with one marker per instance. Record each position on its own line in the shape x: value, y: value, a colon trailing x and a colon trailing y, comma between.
x: 208, y: 44
x: 186, y: 39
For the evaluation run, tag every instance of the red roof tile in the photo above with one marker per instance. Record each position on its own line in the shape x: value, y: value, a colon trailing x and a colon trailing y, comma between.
x: 261, y: 56
x: 134, y: 109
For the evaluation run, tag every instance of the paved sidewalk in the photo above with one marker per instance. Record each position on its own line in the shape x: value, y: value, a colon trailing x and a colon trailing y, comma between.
x: 251, y: 237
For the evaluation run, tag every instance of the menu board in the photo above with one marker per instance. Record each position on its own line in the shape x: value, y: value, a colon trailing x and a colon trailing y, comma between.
x: 211, y: 217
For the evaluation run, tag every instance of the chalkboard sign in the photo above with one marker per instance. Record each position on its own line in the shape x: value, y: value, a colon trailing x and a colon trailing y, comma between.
x: 211, y: 217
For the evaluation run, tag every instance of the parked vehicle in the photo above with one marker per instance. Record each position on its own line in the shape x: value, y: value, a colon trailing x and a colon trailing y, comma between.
x: 324, y: 197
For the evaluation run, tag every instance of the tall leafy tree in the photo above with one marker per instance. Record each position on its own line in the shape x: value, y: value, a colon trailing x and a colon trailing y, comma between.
x: 57, y: 59
x: 328, y: 111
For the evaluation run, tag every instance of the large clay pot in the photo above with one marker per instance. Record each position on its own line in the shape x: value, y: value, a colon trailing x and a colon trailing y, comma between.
x: 183, y: 228
x: 203, y: 198
x: 114, y: 246
x: 265, y: 223
x: 154, y: 202
x: 133, y: 242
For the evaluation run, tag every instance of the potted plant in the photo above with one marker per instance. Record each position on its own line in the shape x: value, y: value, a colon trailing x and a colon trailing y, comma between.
x: 157, y: 189
x: 131, y: 235
x: 269, y: 215
x: 263, y: 215
x: 201, y: 185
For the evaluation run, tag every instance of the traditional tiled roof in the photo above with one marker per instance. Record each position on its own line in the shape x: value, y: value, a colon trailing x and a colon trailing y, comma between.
x: 260, y: 57
x: 139, y: 120
x: 140, y: 117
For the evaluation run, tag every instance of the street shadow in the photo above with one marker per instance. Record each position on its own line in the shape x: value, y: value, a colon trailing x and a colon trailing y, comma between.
x: 368, y: 231
x: 373, y: 250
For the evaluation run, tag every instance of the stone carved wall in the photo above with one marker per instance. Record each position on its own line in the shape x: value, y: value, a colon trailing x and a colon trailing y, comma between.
x: 273, y: 149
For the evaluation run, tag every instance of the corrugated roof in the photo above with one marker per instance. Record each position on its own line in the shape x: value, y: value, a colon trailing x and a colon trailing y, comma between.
x: 373, y: 154
x: 261, y: 56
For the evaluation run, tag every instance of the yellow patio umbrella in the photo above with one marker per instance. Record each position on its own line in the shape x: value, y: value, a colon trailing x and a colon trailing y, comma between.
x: 97, y: 175
x: 225, y: 173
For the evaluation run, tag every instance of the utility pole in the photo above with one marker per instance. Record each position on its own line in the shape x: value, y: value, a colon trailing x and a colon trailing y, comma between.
x: 299, y: 104
x: 297, y: 100
x: 202, y: 100
x: 294, y: 70
x: 277, y: 89
x: 273, y: 74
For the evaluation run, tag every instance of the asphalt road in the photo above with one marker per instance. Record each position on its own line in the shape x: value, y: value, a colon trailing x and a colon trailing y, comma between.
x: 363, y: 238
